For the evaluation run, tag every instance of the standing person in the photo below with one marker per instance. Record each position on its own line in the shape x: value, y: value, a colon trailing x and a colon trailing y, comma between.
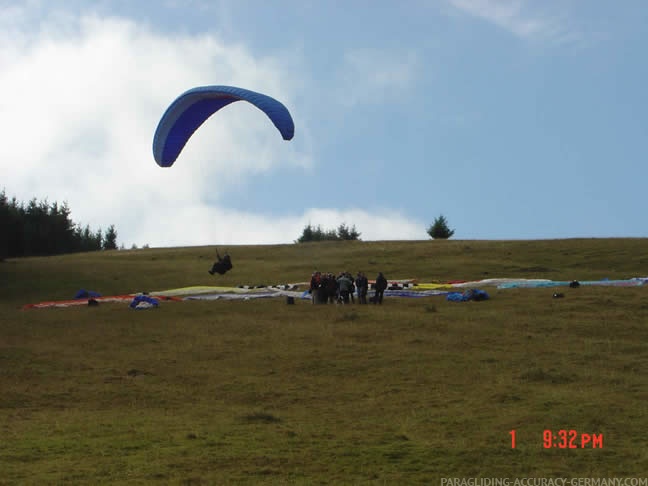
x: 381, y: 285
x: 362, y: 286
x: 332, y: 290
x: 344, y: 284
x: 353, y: 287
x: 314, y: 286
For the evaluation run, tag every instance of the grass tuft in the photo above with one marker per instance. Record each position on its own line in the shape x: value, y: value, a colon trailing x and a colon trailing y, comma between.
x: 348, y: 316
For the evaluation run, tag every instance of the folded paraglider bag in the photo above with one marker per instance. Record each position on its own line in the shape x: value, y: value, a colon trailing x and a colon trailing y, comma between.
x: 478, y: 295
x: 85, y: 294
x: 143, y: 302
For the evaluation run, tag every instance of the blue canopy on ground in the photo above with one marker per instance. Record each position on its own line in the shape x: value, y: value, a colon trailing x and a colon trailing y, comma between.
x: 85, y: 294
x: 471, y: 294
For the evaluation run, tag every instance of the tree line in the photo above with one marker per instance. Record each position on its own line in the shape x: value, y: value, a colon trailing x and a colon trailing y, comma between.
x: 437, y: 230
x: 316, y: 233
x: 39, y: 228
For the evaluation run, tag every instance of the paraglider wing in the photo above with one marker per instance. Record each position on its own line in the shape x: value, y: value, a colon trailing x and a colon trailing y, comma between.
x: 183, y: 117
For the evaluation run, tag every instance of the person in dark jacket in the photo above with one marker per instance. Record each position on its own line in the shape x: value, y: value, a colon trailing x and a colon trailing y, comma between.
x: 316, y: 280
x: 381, y: 285
x: 322, y: 291
x: 362, y: 286
x: 222, y: 265
x: 332, y: 290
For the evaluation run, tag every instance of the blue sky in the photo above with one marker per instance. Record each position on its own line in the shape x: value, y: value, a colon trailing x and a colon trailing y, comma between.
x: 514, y: 119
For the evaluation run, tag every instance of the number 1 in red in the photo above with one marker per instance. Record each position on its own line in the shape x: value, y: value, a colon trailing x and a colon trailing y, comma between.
x: 512, y: 432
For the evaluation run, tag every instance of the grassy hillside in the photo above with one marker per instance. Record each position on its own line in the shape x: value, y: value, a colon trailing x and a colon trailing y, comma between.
x: 259, y: 392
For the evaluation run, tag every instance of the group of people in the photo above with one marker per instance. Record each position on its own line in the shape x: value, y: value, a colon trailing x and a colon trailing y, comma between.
x: 327, y: 288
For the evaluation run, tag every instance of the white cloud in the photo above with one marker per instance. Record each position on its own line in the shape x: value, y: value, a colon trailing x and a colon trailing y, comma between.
x: 515, y: 16
x: 235, y: 227
x: 381, y: 225
x: 372, y: 75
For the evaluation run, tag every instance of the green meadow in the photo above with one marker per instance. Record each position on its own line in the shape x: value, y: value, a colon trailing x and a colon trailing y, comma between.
x: 261, y: 392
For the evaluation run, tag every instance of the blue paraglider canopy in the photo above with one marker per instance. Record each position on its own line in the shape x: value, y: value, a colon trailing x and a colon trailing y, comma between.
x: 190, y: 110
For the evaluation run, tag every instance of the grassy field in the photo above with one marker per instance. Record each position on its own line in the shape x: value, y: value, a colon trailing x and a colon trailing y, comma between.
x: 260, y: 392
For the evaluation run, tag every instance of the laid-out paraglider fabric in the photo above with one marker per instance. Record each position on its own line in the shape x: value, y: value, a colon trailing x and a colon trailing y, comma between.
x: 470, y: 294
x: 190, y: 110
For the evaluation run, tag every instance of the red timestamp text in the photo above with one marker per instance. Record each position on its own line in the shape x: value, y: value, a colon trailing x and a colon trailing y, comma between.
x: 565, y: 439
x: 571, y: 439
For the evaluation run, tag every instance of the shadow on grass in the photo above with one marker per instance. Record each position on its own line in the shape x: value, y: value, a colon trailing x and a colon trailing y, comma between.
x: 260, y: 418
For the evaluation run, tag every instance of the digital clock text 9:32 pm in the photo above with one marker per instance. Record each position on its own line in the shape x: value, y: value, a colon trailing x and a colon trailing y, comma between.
x: 565, y: 439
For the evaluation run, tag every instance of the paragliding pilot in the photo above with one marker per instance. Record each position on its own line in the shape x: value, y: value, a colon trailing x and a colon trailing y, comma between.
x: 222, y: 265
